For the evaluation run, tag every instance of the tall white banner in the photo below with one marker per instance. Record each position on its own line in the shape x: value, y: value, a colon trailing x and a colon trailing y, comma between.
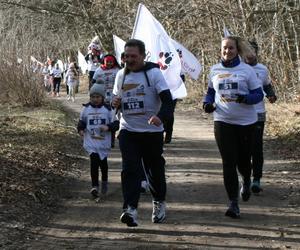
x: 189, y: 63
x: 159, y: 49
x: 119, y: 47
x: 82, y: 63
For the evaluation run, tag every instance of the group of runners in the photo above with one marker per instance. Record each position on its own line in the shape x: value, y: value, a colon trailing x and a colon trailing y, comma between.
x: 136, y: 100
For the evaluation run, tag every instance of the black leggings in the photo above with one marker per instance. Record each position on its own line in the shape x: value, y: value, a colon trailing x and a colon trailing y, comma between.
x: 96, y: 162
x: 91, y: 75
x: 56, y: 84
x: 257, y: 150
x: 234, y: 143
x: 168, y: 124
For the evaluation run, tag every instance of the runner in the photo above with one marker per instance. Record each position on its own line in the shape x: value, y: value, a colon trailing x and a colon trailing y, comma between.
x: 233, y: 89
x: 94, y: 126
x: 142, y: 94
x: 257, y: 145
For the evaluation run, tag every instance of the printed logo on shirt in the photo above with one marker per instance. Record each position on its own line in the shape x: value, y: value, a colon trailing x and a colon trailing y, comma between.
x: 130, y: 86
x: 221, y: 76
x: 140, y: 90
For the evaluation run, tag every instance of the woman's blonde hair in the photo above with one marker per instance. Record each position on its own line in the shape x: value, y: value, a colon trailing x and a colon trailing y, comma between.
x: 243, y: 46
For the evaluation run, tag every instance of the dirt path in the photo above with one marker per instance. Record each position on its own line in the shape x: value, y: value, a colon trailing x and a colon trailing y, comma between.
x: 196, y: 203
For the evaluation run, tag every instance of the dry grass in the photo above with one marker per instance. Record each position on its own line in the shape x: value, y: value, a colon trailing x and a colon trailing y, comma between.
x: 35, y: 168
x: 283, y: 128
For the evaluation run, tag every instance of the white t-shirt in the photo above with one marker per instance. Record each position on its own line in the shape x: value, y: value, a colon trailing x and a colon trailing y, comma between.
x: 228, y: 82
x: 56, y: 72
x: 92, y: 63
x: 94, y: 140
x: 263, y: 75
x: 71, y: 78
x: 108, y: 77
x: 139, y: 101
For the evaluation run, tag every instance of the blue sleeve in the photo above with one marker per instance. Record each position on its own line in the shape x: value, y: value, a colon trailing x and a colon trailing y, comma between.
x: 210, y: 95
x: 255, y: 96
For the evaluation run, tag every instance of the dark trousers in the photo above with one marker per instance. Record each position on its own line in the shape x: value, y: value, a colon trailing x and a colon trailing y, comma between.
x: 67, y: 89
x: 257, y: 150
x: 91, y: 74
x: 137, y: 147
x: 168, y: 124
x: 56, y: 84
x: 234, y: 143
x: 96, y: 162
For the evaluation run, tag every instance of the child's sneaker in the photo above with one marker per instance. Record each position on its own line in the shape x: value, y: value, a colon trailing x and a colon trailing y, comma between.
x: 159, y: 211
x: 104, y: 187
x: 68, y: 98
x: 245, y: 191
x: 94, y: 191
x: 233, y: 210
x: 129, y: 217
x: 255, y: 187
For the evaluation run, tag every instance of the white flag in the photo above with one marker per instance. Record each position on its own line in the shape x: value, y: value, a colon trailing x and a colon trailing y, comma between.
x: 119, y: 47
x: 159, y: 49
x: 60, y: 65
x: 189, y: 63
x: 82, y: 63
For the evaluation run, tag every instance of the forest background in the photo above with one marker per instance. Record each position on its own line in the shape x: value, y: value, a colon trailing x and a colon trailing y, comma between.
x: 57, y: 29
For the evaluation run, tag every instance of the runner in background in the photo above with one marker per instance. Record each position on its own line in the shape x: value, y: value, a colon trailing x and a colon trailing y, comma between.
x: 257, y: 156
x: 106, y: 74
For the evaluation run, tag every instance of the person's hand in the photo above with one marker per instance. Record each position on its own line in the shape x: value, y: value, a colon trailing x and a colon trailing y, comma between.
x: 104, y: 128
x: 116, y: 101
x: 241, y: 98
x: 154, y: 120
x: 81, y: 133
x: 272, y: 98
x: 208, y: 107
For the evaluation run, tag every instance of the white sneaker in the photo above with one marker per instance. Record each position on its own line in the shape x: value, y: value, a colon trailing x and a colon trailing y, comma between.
x: 68, y: 98
x: 94, y: 191
x: 129, y: 217
x: 159, y: 211
x: 73, y: 99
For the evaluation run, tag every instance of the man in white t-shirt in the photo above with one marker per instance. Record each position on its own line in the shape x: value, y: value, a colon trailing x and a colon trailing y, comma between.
x: 145, y: 101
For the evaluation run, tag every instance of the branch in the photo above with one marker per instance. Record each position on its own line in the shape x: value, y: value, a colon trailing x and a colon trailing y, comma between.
x: 42, y: 10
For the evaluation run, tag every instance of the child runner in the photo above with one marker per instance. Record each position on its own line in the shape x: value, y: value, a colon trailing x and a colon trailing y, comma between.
x: 71, y: 80
x: 95, y: 126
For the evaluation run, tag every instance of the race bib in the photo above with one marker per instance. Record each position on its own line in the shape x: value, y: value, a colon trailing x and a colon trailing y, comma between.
x: 94, y: 124
x: 228, y: 90
x: 133, y: 105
